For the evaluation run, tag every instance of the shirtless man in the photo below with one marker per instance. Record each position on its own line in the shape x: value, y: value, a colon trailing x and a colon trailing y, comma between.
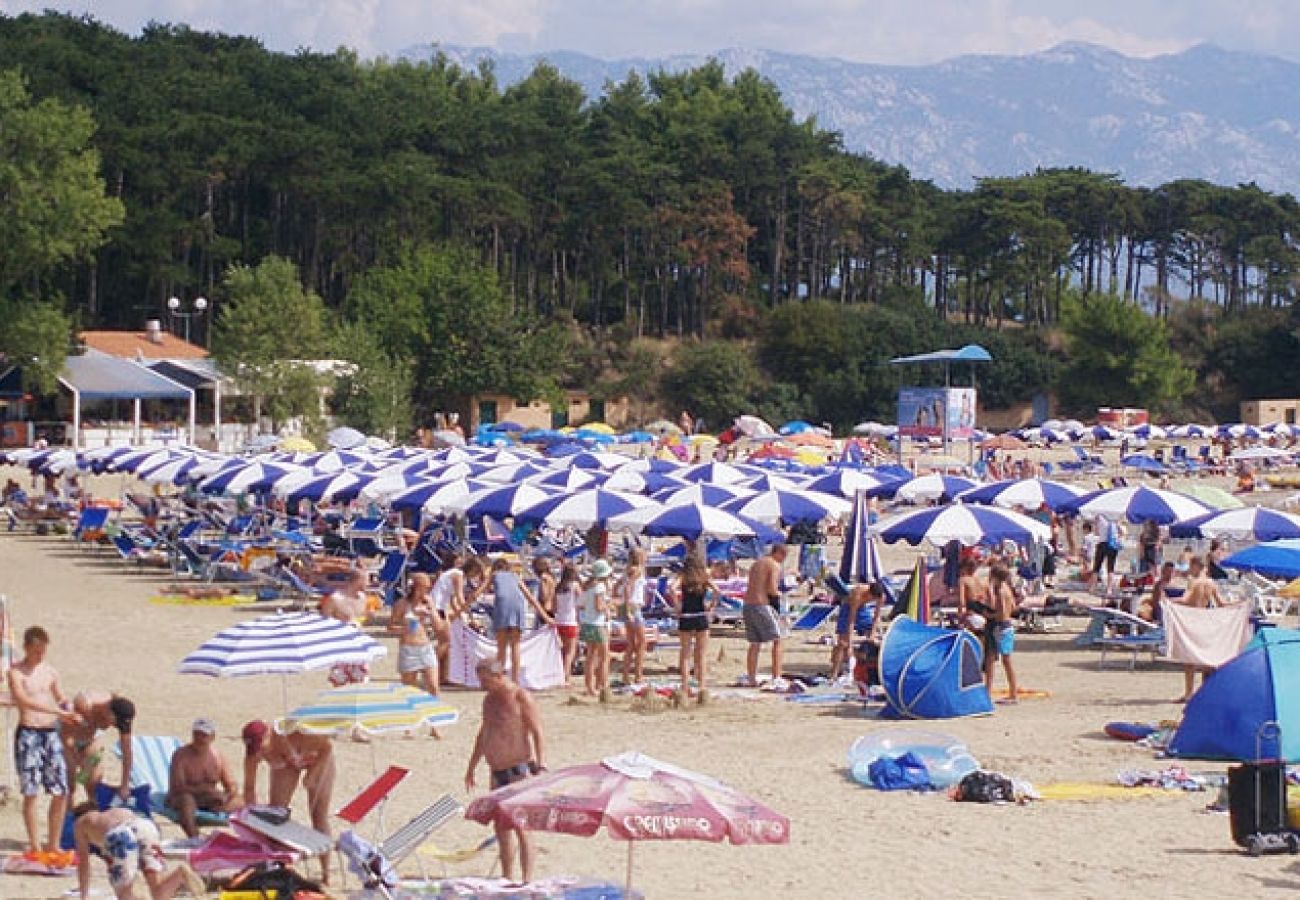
x: 99, y: 710
x: 200, y: 778
x: 1201, y: 593
x: 761, y: 612
x: 130, y: 846
x: 38, y: 755
x: 510, y: 739
x: 846, y: 621
x: 972, y: 594
x: 290, y: 758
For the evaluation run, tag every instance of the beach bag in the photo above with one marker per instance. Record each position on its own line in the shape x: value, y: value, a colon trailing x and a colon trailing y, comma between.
x: 985, y: 787
x: 899, y: 773
x: 272, y: 881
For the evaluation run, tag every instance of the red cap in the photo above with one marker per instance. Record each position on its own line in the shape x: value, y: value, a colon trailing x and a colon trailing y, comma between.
x: 255, y: 732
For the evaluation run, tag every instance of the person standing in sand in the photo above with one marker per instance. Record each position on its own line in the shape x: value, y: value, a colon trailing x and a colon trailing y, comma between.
x: 761, y: 613
x: 291, y: 758
x: 417, y: 660
x: 38, y: 754
x: 200, y: 778
x: 1201, y: 593
x: 511, y: 741
x: 695, y: 598
x: 510, y: 602
x: 1001, y: 633
x: 97, y: 711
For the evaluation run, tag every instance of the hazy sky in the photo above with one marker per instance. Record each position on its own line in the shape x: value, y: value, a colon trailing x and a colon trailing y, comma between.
x: 887, y: 31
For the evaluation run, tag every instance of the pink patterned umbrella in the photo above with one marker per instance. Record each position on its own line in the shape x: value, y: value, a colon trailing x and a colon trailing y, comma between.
x: 636, y: 798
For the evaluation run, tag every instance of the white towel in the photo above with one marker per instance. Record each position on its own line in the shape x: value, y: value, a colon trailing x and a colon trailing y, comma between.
x: 1206, y: 637
x: 541, y: 665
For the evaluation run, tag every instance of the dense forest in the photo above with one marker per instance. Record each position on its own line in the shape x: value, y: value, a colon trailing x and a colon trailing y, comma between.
x: 461, y: 236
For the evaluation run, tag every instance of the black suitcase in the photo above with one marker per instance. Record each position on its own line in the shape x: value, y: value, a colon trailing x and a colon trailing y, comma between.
x: 1257, y: 806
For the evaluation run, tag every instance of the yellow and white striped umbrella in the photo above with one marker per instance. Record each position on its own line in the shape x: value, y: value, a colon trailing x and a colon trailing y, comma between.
x: 371, y: 708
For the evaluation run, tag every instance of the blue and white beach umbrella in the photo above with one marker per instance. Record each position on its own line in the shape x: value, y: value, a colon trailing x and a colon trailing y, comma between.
x: 713, y: 473
x: 933, y: 487
x: 281, y: 644
x: 687, y: 521
x: 338, y: 485
x: 589, y: 460
x: 1275, y: 559
x: 701, y: 495
x: 1191, y: 430
x: 1027, y: 493
x: 1251, y: 523
x: 252, y: 477
x: 1137, y: 504
x: 570, y: 479
x: 860, y: 563
x: 388, y: 483
x: 513, y: 473
x: 583, y: 509
x: 788, y: 506
x: 968, y: 525
x: 434, y: 496
x: 848, y: 482
x: 500, y: 502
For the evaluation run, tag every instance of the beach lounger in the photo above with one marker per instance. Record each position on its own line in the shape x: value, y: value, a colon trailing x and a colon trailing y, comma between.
x: 1113, y: 630
x: 152, y: 766
x: 366, y: 537
x: 380, y: 861
x: 813, y: 617
x: 90, y: 525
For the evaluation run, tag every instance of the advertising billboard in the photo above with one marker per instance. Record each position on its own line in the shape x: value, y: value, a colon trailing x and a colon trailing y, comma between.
x: 923, y: 412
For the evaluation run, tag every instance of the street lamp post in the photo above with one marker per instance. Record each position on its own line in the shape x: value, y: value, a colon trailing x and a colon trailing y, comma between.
x: 197, y: 308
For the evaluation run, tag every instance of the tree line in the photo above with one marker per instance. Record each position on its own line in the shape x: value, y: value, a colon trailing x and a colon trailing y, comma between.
x: 418, y: 200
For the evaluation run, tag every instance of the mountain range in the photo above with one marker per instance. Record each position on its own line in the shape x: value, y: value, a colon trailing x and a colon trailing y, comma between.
x: 1225, y: 116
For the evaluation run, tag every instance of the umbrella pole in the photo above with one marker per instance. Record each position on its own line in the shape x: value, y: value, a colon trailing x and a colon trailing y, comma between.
x: 627, y: 886
x: 284, y: 693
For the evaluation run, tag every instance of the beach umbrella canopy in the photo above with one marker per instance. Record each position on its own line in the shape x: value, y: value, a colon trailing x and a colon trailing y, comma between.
x: 1191, y: 430
x: 1211, y: 496
x: 751, y: 426
x: 388, y: 483
x: 137, y: 459
x: 860, y: 562
x: 788, y: 506
x: 798, y: 426
x: 512, y: 473
x: 586, y: 459
x: 769, y: 482
x: 434, y: 496
x: 712, y: 473
x: 340, y: 485
x: 933, y: 487
x: 250, y: 477
x: 701, y: 494
x: 345, y: 438
x: 848, y: 482
x: 1275, y: 559
x: 281, y: 644
x: 583, y: 509
x: 967, y: 525
x: 1143, y: 463
x: 500, y: 501
x: 1027, y: 493
x: 1256, y: 453
x: 635, y: 798
x: 688, y: 521
x: 172, y: 471
x: 372, y: 708
x: 569, y: 479
x: 1253, y: 523
x: 1137, y: 504
x: 1147, y: 431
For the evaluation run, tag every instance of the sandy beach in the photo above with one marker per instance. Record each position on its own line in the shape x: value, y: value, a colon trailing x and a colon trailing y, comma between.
x: 846, y: 839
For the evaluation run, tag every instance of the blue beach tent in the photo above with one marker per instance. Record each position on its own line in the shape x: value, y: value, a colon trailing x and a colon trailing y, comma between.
x: 1224, y: 718
x: 932, y: 673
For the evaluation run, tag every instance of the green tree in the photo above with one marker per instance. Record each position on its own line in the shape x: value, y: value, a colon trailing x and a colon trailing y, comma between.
x: 715, y: 380
x: 268, y: 328
x: 35, y: 336
x: 375, y: 395
x: 52, y: 204
x: 440, y: 311
x: 1119, y: 356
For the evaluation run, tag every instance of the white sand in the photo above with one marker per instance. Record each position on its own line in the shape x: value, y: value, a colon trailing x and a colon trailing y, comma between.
x: 846, y: 840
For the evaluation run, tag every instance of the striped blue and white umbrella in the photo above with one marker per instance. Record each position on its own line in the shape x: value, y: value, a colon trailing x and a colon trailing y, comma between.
x: 133, y: 462
x: 251, y: 477
x: 1191, y: 430
x: 570, y: 479
x: 701, y: 495
x: 434, y: 496
x: 687, y: 521
x: 388, y: 483
x: 514, y: 473
x: 173, y: 471
x: 860, y: 563
x: 1104, y: 433
x: 626, y: 479
x: 501, y: 501
x: 590, y: 460
x: 338, y: 485
x: 1137, y: 504
x: 968, y: 525
x: 1251, y: 523
x: 788, y: 507
x: 281, y: 644
x: 1027, y: 493
x: 771, y: 482
x: 583, y: 509
x: 1147, y: 431
x: 934, y: 486
x: 333, y: 460
x: 848, y: 482
x: 712, y: 473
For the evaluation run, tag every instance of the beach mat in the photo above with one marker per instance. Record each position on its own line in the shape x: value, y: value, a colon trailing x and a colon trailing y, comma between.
x: 1023, y: 694
x: 17, y: 864
x: 186, y: 600
x: 1082, y: 790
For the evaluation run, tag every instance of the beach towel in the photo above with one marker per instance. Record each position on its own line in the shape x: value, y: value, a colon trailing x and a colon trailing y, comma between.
x: 19, y: 864
x: 1206, y: 637
x: 540, y: 664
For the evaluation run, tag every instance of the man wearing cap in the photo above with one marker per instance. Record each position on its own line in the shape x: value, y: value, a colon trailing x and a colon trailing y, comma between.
x: 290, y: 758
x: 510, y: 739
x: 200, y: 778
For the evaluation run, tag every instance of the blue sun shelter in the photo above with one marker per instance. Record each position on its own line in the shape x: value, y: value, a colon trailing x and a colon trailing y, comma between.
x: 1224, y: 718
x: 932, y: 673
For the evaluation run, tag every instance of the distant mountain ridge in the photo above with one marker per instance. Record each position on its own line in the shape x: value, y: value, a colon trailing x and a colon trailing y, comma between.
x: 1228, y: 117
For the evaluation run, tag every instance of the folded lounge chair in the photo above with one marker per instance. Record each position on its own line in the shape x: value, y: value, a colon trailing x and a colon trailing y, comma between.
x: 378, y: 863
x: 1113, y: 630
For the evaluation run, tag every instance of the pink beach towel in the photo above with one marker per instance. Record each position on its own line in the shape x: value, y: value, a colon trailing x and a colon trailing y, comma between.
x: 1206, y: 637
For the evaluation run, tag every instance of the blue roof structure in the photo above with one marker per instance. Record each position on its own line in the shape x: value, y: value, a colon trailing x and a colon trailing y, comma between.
x: 99, y: 376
